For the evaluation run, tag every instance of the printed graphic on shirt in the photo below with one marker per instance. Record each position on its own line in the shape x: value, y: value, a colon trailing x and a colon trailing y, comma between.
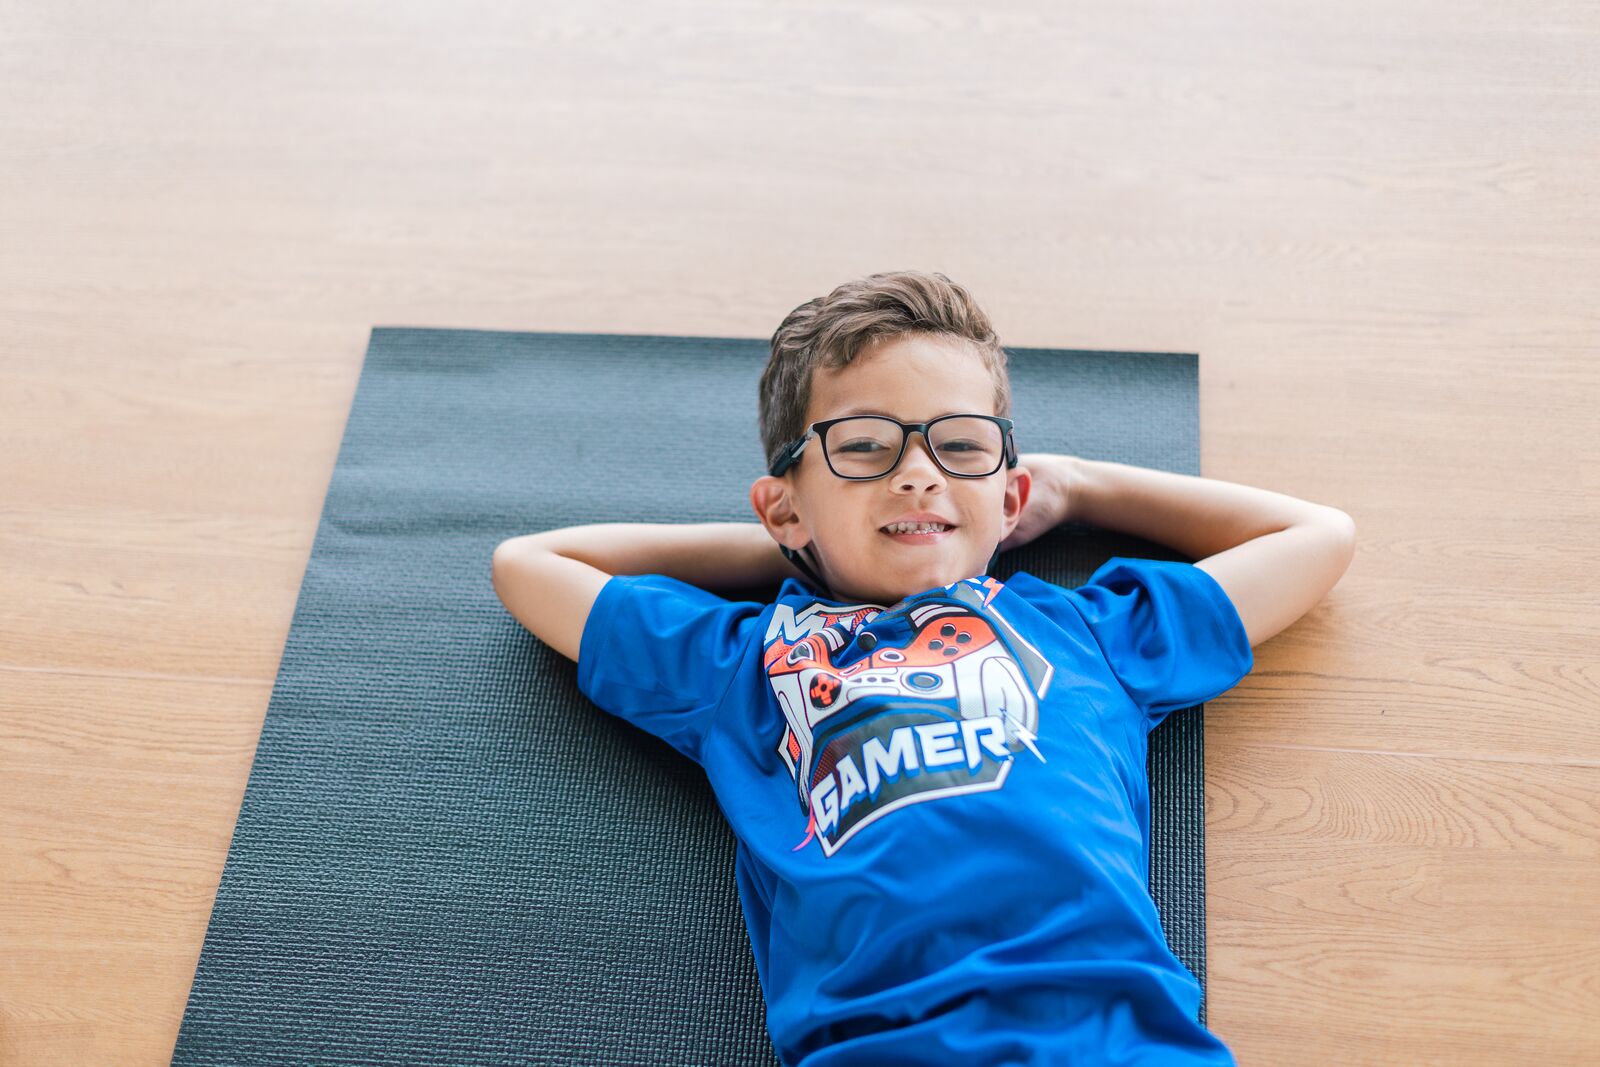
x: 938, y: 713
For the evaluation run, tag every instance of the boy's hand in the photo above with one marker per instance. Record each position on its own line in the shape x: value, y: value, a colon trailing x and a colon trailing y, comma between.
x: 1048, y: 498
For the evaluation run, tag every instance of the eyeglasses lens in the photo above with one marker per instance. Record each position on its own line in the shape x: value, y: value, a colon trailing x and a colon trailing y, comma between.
x: 866, y: 446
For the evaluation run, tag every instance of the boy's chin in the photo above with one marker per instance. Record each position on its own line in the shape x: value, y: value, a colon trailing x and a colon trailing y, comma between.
x: 897, y: 580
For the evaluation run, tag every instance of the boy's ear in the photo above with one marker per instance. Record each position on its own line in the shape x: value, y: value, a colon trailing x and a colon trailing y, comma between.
x: 1019, y: 485
x: 773, y: 502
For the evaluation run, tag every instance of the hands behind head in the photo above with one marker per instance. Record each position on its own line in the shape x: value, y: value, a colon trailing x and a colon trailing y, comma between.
x: 1048, y: 498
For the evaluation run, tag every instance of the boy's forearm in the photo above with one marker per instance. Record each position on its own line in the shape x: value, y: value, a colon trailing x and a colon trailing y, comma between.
x: 1197, y: 516
x: 711, y: 555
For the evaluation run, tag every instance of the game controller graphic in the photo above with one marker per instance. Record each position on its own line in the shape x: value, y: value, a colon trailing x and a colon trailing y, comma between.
x: 934, y: 713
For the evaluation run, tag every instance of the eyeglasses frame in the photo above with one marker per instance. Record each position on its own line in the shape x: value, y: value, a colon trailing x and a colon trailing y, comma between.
x: 789, y: 455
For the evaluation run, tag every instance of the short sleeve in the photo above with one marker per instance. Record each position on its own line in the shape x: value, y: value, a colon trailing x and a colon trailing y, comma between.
x: 660, y: 653
x: 1168, y: 631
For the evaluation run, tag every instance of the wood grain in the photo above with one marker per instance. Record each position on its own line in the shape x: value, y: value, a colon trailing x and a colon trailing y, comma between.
x: 1378, y: 225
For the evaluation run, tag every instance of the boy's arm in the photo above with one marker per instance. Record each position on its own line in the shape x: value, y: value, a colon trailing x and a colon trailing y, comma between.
x: 1276, y: 556
x: 549, y: 581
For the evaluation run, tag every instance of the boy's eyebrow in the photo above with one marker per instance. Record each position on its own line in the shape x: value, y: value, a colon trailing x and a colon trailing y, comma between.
x: 886, y: 414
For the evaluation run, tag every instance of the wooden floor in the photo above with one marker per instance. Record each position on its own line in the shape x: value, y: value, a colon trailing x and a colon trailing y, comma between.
x: 1378, y: 224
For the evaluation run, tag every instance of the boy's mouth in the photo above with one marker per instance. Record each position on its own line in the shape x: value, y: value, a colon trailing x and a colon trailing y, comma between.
x: 919, y: 534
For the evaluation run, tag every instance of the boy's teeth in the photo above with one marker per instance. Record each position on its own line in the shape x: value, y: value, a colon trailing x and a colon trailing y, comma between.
x: 914, y: 527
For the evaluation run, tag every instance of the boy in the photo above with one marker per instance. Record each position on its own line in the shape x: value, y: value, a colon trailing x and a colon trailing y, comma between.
x: 936, y: 779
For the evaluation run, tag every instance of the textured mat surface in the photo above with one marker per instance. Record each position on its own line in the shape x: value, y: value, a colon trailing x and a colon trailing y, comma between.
x: 445, y: 853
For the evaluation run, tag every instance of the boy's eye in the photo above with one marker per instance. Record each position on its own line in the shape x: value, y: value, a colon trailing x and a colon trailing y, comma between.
x: 947, y: 446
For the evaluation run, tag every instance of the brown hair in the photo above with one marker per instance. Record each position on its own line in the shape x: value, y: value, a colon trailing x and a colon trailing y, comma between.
x: 829, y: 331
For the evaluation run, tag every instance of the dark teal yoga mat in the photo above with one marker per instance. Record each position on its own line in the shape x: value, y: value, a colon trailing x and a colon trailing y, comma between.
x: 445, y: 853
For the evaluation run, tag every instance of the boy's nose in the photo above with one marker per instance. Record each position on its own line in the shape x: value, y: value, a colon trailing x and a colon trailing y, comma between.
x: 918, y: 459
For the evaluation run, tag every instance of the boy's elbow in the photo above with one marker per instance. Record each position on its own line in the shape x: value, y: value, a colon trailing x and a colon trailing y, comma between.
x: 1329, y: 548
x: 1342, y: 533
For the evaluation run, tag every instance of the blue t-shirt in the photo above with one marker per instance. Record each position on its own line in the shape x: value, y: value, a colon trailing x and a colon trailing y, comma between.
x: 941, y: 807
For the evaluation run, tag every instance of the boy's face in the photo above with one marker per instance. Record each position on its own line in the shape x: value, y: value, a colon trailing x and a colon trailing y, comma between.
x: 914, y: 378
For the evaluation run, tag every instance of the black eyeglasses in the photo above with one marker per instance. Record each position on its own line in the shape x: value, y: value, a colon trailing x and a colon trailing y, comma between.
x: 863, y: 447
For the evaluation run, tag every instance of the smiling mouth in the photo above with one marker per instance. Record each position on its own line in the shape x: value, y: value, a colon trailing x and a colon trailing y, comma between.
x: 932, y: 537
